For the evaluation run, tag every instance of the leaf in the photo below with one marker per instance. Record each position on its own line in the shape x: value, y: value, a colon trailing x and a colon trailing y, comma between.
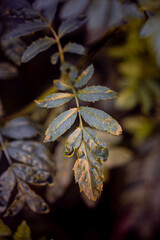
x: 84, y: 77
x: 73, y: 142
x: 7, y: 184
x: 23, y: 232
x: 90, y: 138
x: 26, y: 28
x: 7, y: 71
x: 74, y: 48
x: 5, y: 231
x: 54, y: 58
x: 88, y: 172
x: 34, y: 202
x: 32, y: 174
x: 37, y: 47
x: 19, y: 128
x: 70, y: 25
x: 60, y: 125
x: 100, y: 120
x: 55, y: 100
x: 31, y: 153
x: 61, y: 85
x: 96, y: 93
x: 15, y: 207
x: 0, y: 154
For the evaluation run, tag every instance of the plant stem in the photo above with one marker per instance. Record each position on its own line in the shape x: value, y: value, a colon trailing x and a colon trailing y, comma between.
x: 58, y: 43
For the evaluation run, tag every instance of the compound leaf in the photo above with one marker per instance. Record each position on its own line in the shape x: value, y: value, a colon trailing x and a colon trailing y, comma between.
x: 23, y: 232
x: 31, y: 153
x: 100, y: 120
x: 73, y: 142
x: 60, y: 125
x: 70, y: 25
x: 36, y: 47
x: 74, y: 48
x: 4, y: 229
x: 84, y: 77
x: 88, y: 172
x: 7, y: 184
x: 96, y: 93
x: 26, y: 28
x: 55, y: 100
x: 19, y: 128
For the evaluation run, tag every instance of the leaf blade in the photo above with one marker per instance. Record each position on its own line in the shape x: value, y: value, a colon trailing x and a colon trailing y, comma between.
x: 55, y: 100
x: 74, y: 48
x: 100, y: 120
x: 37, y: 47
x: 73, y: 142
x: 96, y: 93
x: 84, y: 77
x: 23, y: 232
x: 60, y: 125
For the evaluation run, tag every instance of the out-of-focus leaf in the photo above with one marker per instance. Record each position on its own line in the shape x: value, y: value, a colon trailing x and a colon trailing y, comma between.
x: 54, y: 58
x: 16, y: 206
x: 84, y: 77
x: 73, y: 142
x: 14, y: 49
x: 48, y: 8
x: 141, y: 127
x: 32, y: 175
x: 7, y: 71
x: 151, y: 29
x: 31, y: 153
x: 37, y: 47
x: 88, y: 172
x: 73, y: 8
x: 74, y: 48
x: 0, y: 154
x: 55, y: 100
x: 96, y: 93
x: 64, y: 174
x: 26, y: 28
x: 100, y: 120
x: 61, y: 124
x: 4, y: 229
x: 7, y: 184
x: 127, y: 100
x: 70, y: 25
x: 100, y: 150
x: 23, y: 232
x: 61, y: 85
x: 19, y: 128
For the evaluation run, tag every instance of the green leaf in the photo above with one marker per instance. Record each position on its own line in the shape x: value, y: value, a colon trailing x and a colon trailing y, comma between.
x: 7, y: 184
x: 70, y: 25
x: 19, y: 128
x: 55, y: 100
x: 26, y: 28
x: 5, y: 231
x: 31, y: 153
x: 60, y: 125
x: 32, y: 174
x: 90, y: 138
x: 100, y: 120
x: 88, y: 172
x: 54, y: 58
x: 74, y: 48
x: 37, y: 47
x: 23, y: 232
x: 73, y: 142
x: 84, y: 77
x: 96, y: 93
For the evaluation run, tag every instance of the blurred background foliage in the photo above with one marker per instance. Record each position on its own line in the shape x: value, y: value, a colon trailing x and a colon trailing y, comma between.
x: 122, y: 39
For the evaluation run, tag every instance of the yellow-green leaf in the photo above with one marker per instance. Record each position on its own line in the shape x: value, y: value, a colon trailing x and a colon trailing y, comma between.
x: 23, y: 232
